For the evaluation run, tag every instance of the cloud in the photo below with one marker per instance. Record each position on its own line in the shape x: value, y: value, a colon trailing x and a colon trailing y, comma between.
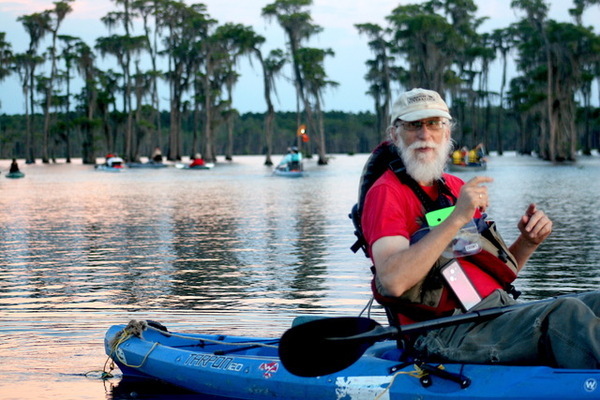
x: 20, y: 7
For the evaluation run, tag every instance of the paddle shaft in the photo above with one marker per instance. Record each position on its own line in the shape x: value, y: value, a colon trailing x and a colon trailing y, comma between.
x: 470, y: 316
x: 380, y: 333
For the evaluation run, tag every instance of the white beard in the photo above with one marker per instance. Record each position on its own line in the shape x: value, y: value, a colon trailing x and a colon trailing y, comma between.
x: 420, y: 166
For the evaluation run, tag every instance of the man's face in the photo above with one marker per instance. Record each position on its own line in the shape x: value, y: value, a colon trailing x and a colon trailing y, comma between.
x: 424, y: 145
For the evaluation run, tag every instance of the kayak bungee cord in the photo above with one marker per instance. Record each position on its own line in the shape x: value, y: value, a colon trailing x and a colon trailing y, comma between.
x: 134, y: 328
x: 215, y: 341
x: 416, y: 373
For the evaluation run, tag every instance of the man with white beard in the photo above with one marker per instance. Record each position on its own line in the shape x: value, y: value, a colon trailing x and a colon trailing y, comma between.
x: 435, y: 254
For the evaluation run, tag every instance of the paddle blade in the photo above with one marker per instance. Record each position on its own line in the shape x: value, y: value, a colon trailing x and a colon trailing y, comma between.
x: 318, y: 347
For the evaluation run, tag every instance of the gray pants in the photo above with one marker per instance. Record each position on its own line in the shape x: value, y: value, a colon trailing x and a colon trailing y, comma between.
x: 564, y: 333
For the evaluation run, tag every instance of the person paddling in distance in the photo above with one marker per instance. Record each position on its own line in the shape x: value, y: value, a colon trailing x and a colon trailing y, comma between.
x: 409, y: 255
x: 14, y: 166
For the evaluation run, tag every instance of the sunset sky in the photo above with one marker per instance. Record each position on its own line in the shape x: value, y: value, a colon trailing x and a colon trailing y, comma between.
x: 335, y: 16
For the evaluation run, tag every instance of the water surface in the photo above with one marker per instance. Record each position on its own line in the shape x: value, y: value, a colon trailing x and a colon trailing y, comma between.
x: 231, y: 250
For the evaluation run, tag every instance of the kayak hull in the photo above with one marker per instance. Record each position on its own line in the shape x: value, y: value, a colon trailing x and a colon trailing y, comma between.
x: 287, y: 173
x: 149, y: 164
x: 15, y: 175
x: 106, y: 168
x: 196, y: 167
x: 465, y: 168
x: 249, y: 368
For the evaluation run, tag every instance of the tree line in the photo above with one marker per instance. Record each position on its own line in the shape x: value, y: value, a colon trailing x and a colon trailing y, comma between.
x: 546, y: 108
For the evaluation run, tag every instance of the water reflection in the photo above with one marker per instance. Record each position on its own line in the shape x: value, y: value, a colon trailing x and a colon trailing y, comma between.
x: 130, y: 388
x: 157, y: 239
x: 231, y: 250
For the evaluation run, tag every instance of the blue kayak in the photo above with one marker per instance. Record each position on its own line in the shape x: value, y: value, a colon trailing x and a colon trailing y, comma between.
x: 482, y: 166
x: 108, y: 168
x: 149, y: 164
x: 250, y: 368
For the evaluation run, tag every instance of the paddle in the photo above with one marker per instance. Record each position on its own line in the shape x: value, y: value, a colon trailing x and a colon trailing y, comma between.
x: 324, y: 346
x: 307, y: 349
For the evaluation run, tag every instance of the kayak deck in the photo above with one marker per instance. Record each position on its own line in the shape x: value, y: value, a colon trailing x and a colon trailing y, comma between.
x: 249, y: 368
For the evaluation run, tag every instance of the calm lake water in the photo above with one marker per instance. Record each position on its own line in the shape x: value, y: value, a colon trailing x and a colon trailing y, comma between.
x: 231, y: 250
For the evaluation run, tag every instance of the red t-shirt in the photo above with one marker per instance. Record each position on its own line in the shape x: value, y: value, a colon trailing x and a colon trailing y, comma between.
x: 392, y: 209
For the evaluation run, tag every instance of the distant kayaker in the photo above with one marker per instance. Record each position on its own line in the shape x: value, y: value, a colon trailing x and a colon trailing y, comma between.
x: 476, y: 155
x: 157, y: 155
x: 410, y: 241
x: 197, y: 161
x: 295, y: 163
x: 292, y: 160
x: 14, y: 166
x: 113, y: 161
x: 458, y: 158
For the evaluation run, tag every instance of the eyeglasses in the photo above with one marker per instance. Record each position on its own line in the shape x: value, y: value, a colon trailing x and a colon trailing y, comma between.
x: 434, y: 125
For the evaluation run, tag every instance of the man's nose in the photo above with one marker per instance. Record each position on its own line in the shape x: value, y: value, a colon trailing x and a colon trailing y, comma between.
x: 425, y: 132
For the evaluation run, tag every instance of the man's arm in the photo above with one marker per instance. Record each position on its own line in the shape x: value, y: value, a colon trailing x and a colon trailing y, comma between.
x: 400, y: 266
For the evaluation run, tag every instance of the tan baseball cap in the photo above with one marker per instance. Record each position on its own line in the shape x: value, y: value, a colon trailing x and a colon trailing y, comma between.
x: 418, y: 104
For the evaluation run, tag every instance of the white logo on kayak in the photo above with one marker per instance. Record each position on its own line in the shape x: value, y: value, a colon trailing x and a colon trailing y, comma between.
x: 269, y: 368
x: 590, y: 385
x: 214, y: 362
x: 362, y: 387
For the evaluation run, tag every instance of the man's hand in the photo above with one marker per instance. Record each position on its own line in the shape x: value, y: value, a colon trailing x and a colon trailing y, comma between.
x: 473, y: 195
x: 535, y: 226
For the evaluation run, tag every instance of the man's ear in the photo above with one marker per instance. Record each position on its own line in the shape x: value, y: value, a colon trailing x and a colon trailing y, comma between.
x: 392, y: 133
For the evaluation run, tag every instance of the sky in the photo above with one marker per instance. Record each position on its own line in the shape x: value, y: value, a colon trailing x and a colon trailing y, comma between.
x: 337, y: 18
